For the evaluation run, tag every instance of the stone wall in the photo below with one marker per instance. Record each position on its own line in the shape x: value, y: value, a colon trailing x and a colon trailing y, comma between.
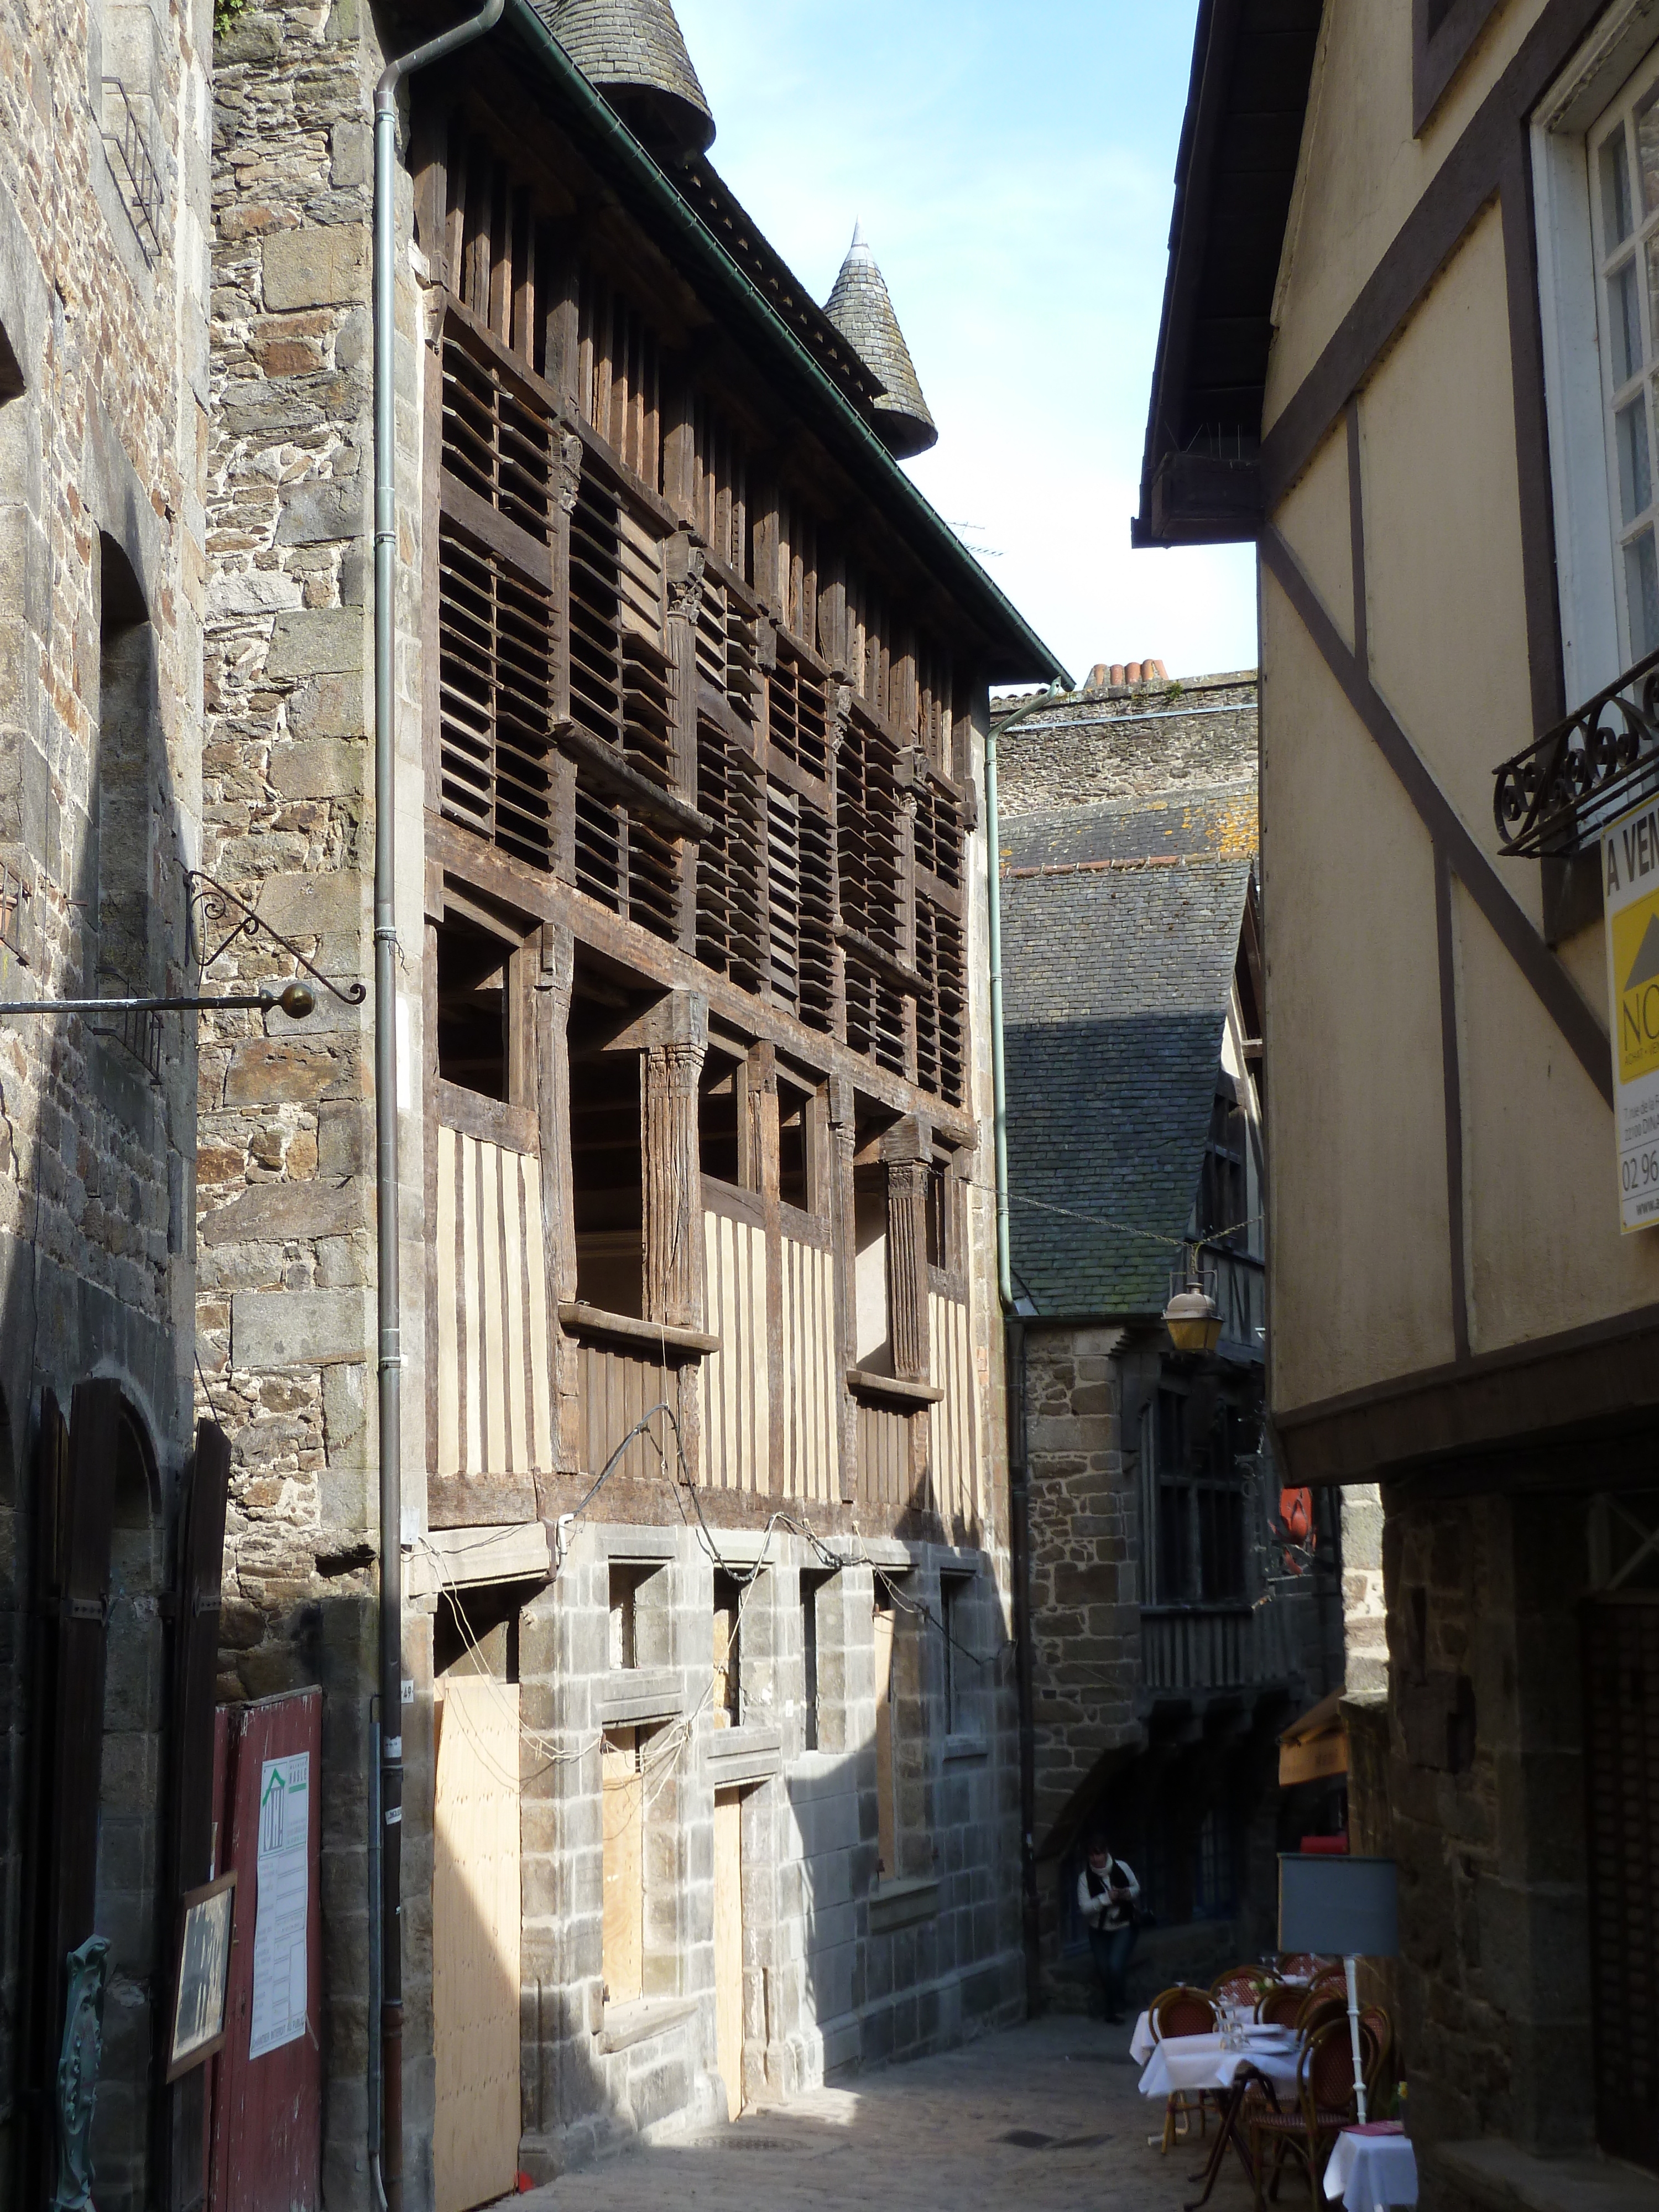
x: 1173, y: 737
x: 1364, y: 1606
x: 285, y: 1178
x: 1485, y: 1785
x: 103, y: 450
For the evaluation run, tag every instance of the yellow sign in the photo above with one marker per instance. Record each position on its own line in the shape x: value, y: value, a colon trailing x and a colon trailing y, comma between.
x: 1630, y: 884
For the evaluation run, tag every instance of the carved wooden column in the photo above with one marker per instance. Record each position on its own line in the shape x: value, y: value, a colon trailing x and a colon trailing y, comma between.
x: 907, y: 1150
x: 843, y: 1250
x: 551, y: 1047
x: 674, y: 1040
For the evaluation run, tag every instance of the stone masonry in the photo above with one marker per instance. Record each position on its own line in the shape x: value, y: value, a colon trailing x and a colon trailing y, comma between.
x: 103, y: 454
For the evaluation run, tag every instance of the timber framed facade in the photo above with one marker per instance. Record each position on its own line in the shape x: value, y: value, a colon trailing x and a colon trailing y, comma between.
x: 1436, y: 428
x: 706, y: 1528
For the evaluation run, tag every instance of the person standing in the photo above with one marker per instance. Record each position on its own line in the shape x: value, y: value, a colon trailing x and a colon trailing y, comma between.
x: 1107, y: 1896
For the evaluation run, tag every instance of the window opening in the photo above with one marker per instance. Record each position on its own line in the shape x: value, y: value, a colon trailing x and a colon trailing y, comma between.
x: 622, y: 1791
x: 883, y: 1621
x: 810, y: 1730
x: 794, y: 1147
x: 937, y: 1215
x: 475, y: 1629
x: 1624, y: 175
x: 872, y: 1335
x: 127, y: 717
x: 1200, y: 1537
x: 954, y: 1593
x: 474, y: 976
x: 606, y: 1166
x: 726, y: 1703
x: 1223, y: 1191
x: 639, y: 1620
x: 720, y: 1143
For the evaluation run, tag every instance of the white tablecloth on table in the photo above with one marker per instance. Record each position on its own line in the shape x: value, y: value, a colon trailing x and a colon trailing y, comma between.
x: 1366, y: 2171
x: 1202, y: 2062
x: 1143, y: 2041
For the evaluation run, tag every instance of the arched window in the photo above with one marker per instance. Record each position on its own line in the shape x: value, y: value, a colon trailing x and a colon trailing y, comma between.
x: 127, y: 732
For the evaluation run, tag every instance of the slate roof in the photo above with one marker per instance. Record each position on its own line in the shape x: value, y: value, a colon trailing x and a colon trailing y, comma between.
x: 634, y: 51
x: 861, y: 308
x: 1120, y: 930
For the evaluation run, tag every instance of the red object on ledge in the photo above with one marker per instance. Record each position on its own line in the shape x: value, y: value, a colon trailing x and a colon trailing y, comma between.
x: 1325, y: 1846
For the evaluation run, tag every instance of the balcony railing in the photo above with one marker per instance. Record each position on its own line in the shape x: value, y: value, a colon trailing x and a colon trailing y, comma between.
x: 1567, y: 785
x: 1213, y: 1648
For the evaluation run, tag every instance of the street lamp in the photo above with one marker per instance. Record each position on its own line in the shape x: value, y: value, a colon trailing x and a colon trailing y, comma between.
x: 1192, y: 1316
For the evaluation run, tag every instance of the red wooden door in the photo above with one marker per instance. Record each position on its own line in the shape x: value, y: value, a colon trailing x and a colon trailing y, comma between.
x: 267, y: 2111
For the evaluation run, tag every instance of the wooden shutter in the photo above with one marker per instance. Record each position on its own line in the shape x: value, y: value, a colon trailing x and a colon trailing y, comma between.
x: 1621, y: 1742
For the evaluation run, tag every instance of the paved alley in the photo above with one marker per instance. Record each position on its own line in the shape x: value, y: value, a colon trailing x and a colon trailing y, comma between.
x: 1045, y: 2118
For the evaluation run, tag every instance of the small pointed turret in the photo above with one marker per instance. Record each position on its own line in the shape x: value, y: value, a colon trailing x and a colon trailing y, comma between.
x: 634, y: 52
x: 862, y: 311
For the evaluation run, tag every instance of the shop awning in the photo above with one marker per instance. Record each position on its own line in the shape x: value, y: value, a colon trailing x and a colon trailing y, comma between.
x: 1315, y: 1747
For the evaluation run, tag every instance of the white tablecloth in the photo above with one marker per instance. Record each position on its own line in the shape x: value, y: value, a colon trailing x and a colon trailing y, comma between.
x: 1200, y: 2061
x: 1141, y: 2043
x: 1366, y: 2171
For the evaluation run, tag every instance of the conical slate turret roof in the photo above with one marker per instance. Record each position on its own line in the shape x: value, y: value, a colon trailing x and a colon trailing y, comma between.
x: 861, y: 311
x: 632, y: 50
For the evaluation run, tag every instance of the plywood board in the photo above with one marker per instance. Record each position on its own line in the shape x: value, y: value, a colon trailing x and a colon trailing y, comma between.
x: 474, y: 1944
x: 728, y: 1945
x: 623, y: 1789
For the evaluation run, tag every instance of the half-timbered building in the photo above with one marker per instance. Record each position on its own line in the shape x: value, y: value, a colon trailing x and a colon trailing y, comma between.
x: 710, y: 1754
x: 1407, y: 347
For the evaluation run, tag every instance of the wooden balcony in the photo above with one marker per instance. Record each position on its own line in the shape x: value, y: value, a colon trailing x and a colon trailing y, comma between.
x: 1197, y: 1649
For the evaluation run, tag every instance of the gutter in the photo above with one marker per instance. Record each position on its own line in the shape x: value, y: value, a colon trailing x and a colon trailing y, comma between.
x: 386, y: 2114
x: 938, y: 543
x: 1013, y: 1370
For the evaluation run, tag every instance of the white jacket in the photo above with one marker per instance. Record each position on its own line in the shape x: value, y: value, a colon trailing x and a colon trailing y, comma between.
x: 1105, y: 1911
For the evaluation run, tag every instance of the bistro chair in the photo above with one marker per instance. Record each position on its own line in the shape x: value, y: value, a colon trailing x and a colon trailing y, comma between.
x: 1324, y: 2106
x: 1241, y: 1983
x: 1281, y: 2006
x: 1319, y: 2006
x: 1183, y: 2011
x: 1300, y: 1966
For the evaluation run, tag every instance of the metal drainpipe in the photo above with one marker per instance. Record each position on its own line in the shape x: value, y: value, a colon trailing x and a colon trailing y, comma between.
x: 389, y: 2166
x: 1014, y: 1376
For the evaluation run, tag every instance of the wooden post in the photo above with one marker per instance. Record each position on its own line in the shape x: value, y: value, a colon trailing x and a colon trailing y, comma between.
x: 761, y: 1082
x: 552, y: 1050
x: 674, y: 1038
x: 684, y: 556
x: 907, y: 1150
x: 843, y: 1246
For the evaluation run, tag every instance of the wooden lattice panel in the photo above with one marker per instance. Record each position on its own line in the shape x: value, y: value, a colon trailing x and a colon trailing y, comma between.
x: 731, y: 913
x: 497, y: 438
x: 496, y: 642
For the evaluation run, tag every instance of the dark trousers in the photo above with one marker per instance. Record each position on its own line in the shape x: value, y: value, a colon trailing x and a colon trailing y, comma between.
x: 1112, y: 1949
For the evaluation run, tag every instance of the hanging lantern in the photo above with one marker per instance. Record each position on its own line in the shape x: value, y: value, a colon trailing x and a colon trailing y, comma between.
x: 1192, y: 1316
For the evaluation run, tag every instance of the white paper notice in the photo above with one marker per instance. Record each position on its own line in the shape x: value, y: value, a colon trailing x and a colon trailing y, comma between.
x: 279, y: 1902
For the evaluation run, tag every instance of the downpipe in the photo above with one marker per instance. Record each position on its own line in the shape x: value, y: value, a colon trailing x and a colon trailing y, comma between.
x: 387, y: 2157
x: 1014, y: 1374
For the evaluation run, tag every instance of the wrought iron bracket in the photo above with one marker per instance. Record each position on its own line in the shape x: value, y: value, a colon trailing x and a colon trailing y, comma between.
x: 211, y: 905
x: 1565, y: 785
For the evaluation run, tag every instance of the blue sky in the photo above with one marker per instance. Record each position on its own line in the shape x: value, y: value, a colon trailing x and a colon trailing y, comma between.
x: 1013, y: 169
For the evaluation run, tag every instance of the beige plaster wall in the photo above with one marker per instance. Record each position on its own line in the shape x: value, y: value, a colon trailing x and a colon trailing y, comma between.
x: 1360, y: 1284
x: 1313, y: 520
x: 1446, y: 608
x: 1362, y: 171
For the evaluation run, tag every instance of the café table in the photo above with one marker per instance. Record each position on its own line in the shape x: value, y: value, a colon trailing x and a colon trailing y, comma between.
x: 1192, y: 2063
x: 1371, y: 2168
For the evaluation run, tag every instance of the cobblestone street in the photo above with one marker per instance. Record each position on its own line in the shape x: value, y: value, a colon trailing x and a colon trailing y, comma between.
x: 1045, y: 2118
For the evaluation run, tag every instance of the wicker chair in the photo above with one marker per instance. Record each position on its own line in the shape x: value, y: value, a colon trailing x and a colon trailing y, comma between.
x: 1324, y: 2107
x: 1281, y: 2006
x: 1383, y: 2069
x: 1317, y: 2007
x: 1241, y: 1983
x: 1183, y: 2011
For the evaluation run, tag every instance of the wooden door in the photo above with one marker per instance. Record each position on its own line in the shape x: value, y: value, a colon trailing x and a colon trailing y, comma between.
x: 728, y: 1945
x: 886, y: 1839
x: 475, y: 1923
x: 1622, y: 1744
x: 267, y: 2093
x: 623, y: 1792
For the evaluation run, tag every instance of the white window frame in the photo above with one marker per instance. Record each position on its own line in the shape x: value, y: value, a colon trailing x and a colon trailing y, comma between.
x: 1617, y: 63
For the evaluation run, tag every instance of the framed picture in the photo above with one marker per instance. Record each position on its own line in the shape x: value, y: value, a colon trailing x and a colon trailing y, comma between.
x: 198, y: 2004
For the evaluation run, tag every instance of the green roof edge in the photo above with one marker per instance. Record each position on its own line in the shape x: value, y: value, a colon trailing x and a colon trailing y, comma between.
x: 995, y: 609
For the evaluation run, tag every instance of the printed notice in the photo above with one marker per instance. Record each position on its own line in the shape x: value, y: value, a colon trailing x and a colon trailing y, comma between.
x: 279, y: 1902
x: 1630, y: 877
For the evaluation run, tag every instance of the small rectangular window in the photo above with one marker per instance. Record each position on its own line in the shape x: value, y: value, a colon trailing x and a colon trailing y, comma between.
x: 810, y: 1587
x: 960, y: 1667
x: 794, y: 1147
x: 474, y: 974
x: 726, y: 1703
